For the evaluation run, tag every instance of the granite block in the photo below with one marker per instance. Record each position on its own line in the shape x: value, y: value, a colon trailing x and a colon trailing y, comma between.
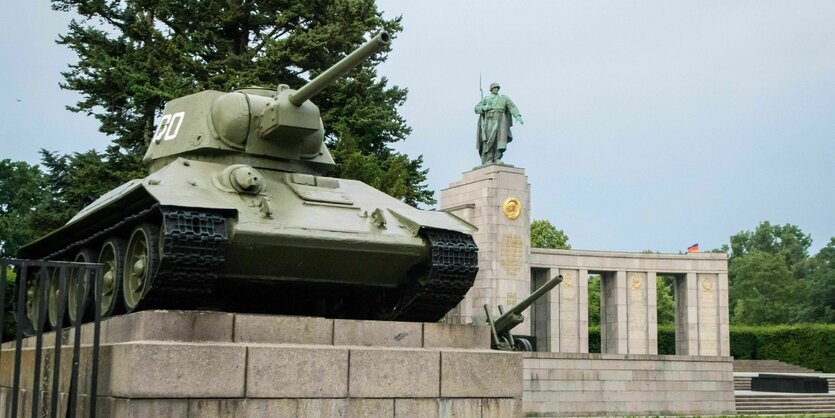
x: 283, y: 329
x: 145, y: 370
x: 297, y: 372
x: 481, y: 374
x: 456, y: 336
x: 377, y: 333
x: 393, y: 373
x: 410, y: 408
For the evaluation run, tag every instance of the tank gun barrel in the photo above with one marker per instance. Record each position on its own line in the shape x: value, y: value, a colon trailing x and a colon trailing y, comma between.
x: 500, y: 328
x: 512, y: 318
x: 340, y: 68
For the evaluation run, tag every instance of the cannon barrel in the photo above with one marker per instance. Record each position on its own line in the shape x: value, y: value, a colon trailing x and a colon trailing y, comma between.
x: 513, y: 317
x: 340, y: 68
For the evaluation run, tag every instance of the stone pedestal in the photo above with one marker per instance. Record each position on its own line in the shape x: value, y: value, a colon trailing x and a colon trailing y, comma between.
x: 201, y: 364
x: 496, y: 199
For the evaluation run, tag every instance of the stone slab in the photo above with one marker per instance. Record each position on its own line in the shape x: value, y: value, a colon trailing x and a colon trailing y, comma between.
x: 493, y: 374
x: 160, y: 370
x: 409, y: 408
x: 297, y: 372
x: 242, y: 408
x: 394, y: 373
x: 377, y: 333
x: 456, y: 336
x: 283, y: 329
x: 180, y: 326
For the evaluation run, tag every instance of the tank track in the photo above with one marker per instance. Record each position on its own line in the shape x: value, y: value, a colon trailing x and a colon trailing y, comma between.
x: 452, y: 271
x: 193, y: 247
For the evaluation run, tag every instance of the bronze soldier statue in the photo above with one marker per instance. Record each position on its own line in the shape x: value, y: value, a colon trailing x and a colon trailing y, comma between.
x: 494, y: 124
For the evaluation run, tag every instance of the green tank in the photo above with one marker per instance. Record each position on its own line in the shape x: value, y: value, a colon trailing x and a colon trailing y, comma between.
x: 238, y: 214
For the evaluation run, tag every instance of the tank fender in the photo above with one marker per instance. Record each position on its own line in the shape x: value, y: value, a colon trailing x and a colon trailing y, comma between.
x: 413, y: 220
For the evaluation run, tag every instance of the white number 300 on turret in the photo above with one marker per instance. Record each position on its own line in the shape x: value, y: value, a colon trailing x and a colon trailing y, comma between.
x: 169, y: 126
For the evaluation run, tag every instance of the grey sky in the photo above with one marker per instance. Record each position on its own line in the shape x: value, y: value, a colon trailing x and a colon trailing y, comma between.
x: 648, y: 125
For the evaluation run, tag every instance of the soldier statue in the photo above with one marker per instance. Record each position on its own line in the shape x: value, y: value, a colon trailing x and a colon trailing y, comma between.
x: 494, y: 124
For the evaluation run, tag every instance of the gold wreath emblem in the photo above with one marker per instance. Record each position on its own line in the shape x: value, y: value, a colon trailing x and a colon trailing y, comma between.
x: 512, y: 208
x: 707, y: 284
x: 636, y: 282
x: 568, y: 280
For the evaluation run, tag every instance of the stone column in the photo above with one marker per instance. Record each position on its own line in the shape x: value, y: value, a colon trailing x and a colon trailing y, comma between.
x: 628, y: 319
x: 708, y: 316
x: 584, y: 311
x: 652, y: 313
x: 543, y: 328
x: 496, y: 199
x: 613, y: 325
x: 687, y: 325
x: 702, y: 314
x: 570, y: 314
x: 641, y: 313
x: 724, y: 316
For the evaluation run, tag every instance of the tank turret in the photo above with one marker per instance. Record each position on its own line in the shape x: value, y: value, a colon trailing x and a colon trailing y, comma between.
x: 277, y: 129
x: 238, y: 214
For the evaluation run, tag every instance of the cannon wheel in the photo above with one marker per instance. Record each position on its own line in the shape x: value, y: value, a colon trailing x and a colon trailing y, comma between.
x: 77, y: 278
x: 112, y: 255
x: 522, y: 344
x: 141, y: 262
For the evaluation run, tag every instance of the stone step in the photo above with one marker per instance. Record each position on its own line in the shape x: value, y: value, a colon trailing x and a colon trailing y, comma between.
x: 779, y: 397
x: 758, y: 366
x: 785, y: 404
x: 783, y: 411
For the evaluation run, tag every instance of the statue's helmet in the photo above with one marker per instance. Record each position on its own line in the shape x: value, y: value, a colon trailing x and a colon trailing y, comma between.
x: 494, y: 85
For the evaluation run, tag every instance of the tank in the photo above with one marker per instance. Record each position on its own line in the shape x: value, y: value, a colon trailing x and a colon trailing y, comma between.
x: 238, y: 214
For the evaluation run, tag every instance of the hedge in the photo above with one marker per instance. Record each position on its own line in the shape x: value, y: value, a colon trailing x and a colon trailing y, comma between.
x: 807, y: 345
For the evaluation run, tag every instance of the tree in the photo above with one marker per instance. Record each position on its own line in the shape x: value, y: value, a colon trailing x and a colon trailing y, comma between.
x: 133, y: 56
x: 787, y: 240
x: 7, y: 328
x: 764, y: 290
x: 594, y: 299
x: 546, y: 235
x: 819, y: 294
x: 664, y: 302
x: 22, y: 190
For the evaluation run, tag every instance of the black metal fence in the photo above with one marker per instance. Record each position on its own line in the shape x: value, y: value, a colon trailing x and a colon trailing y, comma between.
x: 34, y: 282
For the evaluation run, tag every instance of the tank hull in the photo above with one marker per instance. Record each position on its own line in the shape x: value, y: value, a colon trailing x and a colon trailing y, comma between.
x: 298, y: 244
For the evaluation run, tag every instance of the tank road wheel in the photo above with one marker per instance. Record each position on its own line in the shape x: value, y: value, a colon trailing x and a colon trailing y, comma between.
x: 112, y: 255
x: 33, y: 306
x: 141, y: 262
x: 53, y: 301
x: 80, y: 277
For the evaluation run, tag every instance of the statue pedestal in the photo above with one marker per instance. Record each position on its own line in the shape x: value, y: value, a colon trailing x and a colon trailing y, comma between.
x: 223, y: 365
x: 496, y: 199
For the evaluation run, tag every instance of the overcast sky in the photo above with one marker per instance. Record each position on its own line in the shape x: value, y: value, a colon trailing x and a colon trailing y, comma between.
x: 648, y: 125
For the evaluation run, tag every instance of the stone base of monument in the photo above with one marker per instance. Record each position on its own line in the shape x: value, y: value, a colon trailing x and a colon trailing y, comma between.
x: 208, y: 364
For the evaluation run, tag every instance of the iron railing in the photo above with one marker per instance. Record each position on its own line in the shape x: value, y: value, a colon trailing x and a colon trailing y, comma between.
x: 44, y: 274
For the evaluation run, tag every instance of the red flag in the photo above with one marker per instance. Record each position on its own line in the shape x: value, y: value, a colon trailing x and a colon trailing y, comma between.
x: 693, y: 248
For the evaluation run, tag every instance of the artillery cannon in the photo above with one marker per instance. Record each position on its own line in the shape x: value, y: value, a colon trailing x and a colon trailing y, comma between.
x: 238, y: 214
x: 500, y: 327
